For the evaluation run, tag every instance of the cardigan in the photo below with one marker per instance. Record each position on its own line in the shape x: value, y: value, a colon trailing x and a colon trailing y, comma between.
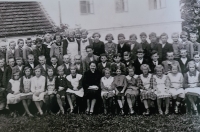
x: 183, y: 66
x: 133, y: 51
x: 125, y: 47
x: 167, y: 48
x: 99, y: 48
x: 90, y: 79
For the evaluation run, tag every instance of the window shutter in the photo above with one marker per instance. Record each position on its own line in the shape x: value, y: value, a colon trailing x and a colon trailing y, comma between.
x: 125, y: 5
x: 162, y: 3
x: 152, y: 4
x: 83, y: 7
x: 91, y: 6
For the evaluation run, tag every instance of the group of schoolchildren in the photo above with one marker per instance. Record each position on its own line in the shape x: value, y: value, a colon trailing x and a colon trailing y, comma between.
x: 77, y: 73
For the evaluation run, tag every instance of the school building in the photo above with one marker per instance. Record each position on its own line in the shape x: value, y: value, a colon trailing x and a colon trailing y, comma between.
x: 120, y: 16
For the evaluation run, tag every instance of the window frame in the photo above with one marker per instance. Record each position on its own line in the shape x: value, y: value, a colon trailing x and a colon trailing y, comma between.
x: 157, y: 4
x: 125, y: 6
x: 90, y: 7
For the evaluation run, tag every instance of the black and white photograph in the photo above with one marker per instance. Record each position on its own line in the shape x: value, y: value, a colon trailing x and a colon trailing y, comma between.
x: 99, y: 65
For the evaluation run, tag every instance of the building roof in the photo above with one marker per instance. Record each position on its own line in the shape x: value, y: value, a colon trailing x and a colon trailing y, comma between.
x: 24, y: 18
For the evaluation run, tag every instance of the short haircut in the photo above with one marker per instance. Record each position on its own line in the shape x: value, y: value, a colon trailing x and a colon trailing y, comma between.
x: 31, y: 55
x: 19, y: 40
x: 50, y: 68
x: 1, y: 58
x: 143, y: 34
x: 130, y: 67
x: 152, y: 35
x: 11, y: 58
x: 103, y: 55
x: 54, y: 57
x: 133, y: 36
x: 28, y: 39
x: 163, y: 34
x: 76, y: 56
x: 84, y: 31
x: 57, y: 34
x: 117, y: 55
x: 89, y: 47
x: 140, y: 51
x: 109, y: 35
x: 183, y: 33
x: 121, y: 35
x: 66, y: 55
x: 175, y: 34
x: 41, y: 57
x: 95, y: 34
x: 154, y: 52
x: 92, y: 62
x: 195, y: 53
x: 169, y: 52
x: 38, y: 40
x: 126, y: 53
x: 18, y: 58
x: 12, y: 42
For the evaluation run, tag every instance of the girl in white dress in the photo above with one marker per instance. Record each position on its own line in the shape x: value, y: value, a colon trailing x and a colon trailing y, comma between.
x: 50, y: 89
x: 85, y: 41
x: 74, y: 87
x: 176, y: 86
x: 72, y: 48
x: 107, y: 91
x: 192, y: 85
x: 25, y: 88
x: 161, y: 84
x: 13, y: 89
x: 38, y: 89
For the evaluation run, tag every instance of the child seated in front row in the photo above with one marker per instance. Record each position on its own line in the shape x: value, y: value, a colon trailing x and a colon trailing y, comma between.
x: 132, y: 90
x: 103, y: 64
x: 170, y: 60
x: 13, y: 97
x: 25, y: 89
x: 61, y: 85
x: 120, y: 84
x: 74, y: 87
x: 192, y: 86
x: 50, y: 89
x: 117, y: 65
x: 107, y: 91
x: 147, y: 94
x: 176, y: 87
x: 161, y: 86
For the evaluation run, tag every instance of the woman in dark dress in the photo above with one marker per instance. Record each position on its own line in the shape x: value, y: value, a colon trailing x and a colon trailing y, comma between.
x: 91, y: 87
x: 98, y: 45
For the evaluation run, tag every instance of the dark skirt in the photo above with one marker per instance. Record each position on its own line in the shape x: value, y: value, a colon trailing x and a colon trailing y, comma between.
x: 91, y: 94
x: 61, y: 93
x: 120, y: 88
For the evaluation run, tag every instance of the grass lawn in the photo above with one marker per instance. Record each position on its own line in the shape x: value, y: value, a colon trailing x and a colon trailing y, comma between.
x: 98, y: 123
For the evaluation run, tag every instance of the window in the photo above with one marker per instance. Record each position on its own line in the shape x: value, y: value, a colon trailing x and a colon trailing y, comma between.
x: 121, y: 5
x: 157, y: 4
x: 86, y: 6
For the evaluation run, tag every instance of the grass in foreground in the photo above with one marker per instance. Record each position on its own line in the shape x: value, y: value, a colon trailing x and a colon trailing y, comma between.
x: 98, y: 123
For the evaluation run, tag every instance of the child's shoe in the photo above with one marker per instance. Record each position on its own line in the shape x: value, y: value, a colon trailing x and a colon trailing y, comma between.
x: 160, y: 112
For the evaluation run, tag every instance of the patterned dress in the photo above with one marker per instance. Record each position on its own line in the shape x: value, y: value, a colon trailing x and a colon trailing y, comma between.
x: 50, y: 86
x: 161, y: 87
x: 25, y: 86
x: 132, y: 88
x: 144, y: 85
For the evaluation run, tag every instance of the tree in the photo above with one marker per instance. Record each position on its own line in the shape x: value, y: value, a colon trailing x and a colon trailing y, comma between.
x: 190, y: 13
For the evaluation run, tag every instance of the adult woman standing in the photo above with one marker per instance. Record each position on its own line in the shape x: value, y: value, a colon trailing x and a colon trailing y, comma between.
x: 91, y: 87
x: 38, y: 89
